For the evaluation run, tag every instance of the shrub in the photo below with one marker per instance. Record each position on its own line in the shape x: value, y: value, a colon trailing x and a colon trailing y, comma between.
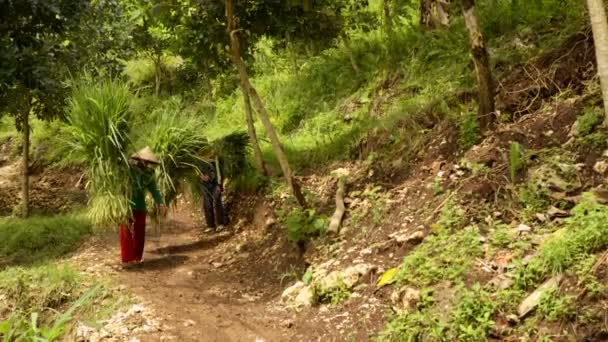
x: 40, y: 238
x: 302, y: 224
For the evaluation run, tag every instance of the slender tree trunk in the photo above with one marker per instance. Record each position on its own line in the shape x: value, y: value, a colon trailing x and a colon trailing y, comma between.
x: 257, y: 152
x: 157, y: 72
x: 259, y: 106
x: 426, y: 13
x: 292, y: 53
x: 482, y: 66
x: 349, y: 51
x: 307, y: 5
x: 599, y: 25
x: 442, y: 12
x: 388, y: 18
x: 25, y: 185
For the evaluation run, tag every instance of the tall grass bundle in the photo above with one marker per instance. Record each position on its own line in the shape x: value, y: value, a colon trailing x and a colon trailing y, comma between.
x: 99, y: 117
x: 177, y: 140
x: 232, y: 153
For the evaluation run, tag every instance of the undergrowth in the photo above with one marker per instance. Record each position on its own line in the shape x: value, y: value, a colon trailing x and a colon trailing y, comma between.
x: 443, y: 256
x: 585, y: 232
x: 40, y: 303
x: 42, y: 238
x: 302, y: 224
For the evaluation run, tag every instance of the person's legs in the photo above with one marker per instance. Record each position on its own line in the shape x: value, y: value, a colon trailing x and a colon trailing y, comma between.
x: 219, y: 207
x: 127, y: 250
x: 208, y: 209
x: 139, y: 234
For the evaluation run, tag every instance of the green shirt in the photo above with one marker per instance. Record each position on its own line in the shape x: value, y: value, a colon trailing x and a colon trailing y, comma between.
x: 143, y: 181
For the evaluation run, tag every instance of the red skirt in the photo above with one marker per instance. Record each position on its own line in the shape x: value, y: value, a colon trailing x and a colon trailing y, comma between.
x: 132, y: 244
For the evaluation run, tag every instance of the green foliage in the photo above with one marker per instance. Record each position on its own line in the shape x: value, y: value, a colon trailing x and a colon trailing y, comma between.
x: 554, y: 307
x: 334, y: 295
x: 34, y: 56
x: 585, y: 233
x: 534, y: 197
x: 303, y: 224
x: 472, y: 316
x: 178, y: 142
x: 583, y: 270
x: 411, y: 327
x: 41, y: 238
x: 248, y: 180
x: 516, y: 160
x: 444, y: 256
x: 468, y: 126
x: 589, y: 121
x: 501, y: 236
x: 99, y: 117
x: 18, y: 328
x: 451, y: 217
x: 39, y: 303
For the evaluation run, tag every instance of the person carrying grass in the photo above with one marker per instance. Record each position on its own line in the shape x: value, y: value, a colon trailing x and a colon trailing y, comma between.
x: 211, y: 189
x: 133, y: 234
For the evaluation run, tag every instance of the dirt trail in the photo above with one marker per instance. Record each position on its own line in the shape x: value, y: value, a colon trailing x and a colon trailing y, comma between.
x: 201, y: 286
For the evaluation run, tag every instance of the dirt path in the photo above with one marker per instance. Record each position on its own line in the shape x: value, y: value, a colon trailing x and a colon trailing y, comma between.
x: 203, y: 287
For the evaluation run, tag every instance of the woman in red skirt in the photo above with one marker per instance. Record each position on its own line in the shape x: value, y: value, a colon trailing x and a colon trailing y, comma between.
x: 133, y: 234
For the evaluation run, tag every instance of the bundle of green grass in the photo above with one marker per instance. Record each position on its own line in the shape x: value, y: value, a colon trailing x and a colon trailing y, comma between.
x: 103, y: 132
x: 99, y: 123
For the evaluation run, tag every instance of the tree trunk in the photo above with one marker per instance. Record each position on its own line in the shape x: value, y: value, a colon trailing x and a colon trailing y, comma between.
x: 426, y: 13
x: 307, y: 5
x: 157, y: 72
x: 442, y: 12
x: 259, y: 106
x: 599, y: 26
x: 257, y: 152
x: 349, y: 51
x: 388, y: 19
x: 482, y: 66
x: 25, y: 185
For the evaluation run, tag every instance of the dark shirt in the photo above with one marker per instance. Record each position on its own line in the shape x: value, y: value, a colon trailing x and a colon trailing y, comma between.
x: 209, y: 169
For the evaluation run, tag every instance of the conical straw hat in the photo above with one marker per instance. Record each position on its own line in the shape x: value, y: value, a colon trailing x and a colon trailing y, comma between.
x: 146, y: 154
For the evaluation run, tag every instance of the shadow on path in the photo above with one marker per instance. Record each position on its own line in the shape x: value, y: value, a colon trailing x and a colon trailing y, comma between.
x: 193, y: 246
x: 158, y: 264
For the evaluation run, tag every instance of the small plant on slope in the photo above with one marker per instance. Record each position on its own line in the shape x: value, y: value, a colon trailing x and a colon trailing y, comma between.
x: 516, y: 160
x: 472, y: 316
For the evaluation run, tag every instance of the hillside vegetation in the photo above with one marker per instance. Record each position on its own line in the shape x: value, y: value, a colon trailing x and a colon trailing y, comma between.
x: 393, y: 205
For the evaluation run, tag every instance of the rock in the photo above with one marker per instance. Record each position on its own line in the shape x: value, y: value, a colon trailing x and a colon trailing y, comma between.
x: 532, y: 301
x: 601, y: 167
x: 189, y: 323
x: 149, y: 329
x: 298, y: 295
x: 217, y: 264
x: 512, y: 319
x: 405, y: 237
x: 270, y: 222
x: 501, y: 282
x: 136, y: 309
x: 288, y: 323
x: 522, y: 228
x: 554, y: 212
x: 540, y: 217
x: 305, y: 298
x: 405, y: 299
x: 341, y: 172
x: 346, y: 278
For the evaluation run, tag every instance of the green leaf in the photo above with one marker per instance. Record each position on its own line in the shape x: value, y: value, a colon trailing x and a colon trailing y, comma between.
x: 307, y: 277
x: 388, y: 277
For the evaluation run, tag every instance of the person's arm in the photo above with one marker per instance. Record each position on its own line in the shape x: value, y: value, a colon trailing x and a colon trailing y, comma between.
x: 153, y: 188
x: 158, y: 197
